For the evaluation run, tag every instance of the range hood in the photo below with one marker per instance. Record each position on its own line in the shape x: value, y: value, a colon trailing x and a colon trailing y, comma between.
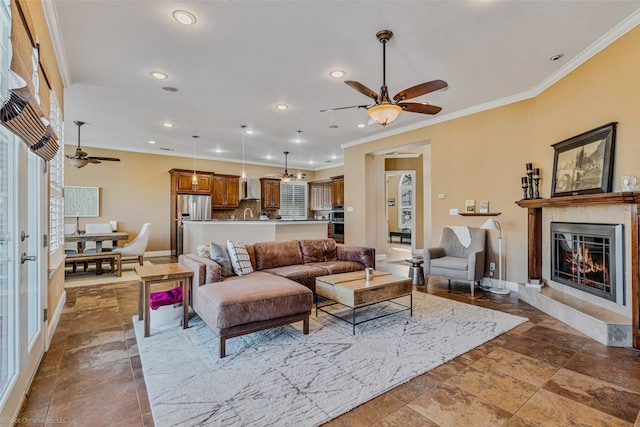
x: 250, y: 189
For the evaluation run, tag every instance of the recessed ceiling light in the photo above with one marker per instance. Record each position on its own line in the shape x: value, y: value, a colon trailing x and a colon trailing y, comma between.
x: 249, y: 132
x: 282, y: 107
x: 333, y: 157
x: 361, y: 125
x: 158, y: 75
x: 311, y: 162
x: 184, y: 17
x: 167, y: 125
x: 152, y: 142
x: 336, y: 74
x: 268, y: 157
x: 217, y: 150
x: 556, y: 57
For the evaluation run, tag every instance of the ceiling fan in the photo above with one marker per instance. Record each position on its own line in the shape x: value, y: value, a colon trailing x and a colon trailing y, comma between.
x: 286, y: 176
x: 386, y: 110
x: 81, y: 158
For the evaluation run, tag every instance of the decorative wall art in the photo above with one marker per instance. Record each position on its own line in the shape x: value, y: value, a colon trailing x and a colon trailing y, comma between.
x: 81, y: 201
x: 584, y: 164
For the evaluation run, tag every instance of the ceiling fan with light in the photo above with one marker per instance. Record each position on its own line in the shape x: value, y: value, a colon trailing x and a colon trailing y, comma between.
x: 386, y: 110
x: 286, y: 176
x: 81, y: 158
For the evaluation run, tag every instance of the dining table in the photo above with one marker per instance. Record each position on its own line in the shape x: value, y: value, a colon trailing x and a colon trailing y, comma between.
x: 81, y: 238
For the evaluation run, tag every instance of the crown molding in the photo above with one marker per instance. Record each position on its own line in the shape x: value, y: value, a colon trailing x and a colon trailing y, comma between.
x: 51, y: 16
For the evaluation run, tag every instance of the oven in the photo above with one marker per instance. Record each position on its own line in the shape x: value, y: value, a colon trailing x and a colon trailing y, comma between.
x: 336, y: 216
x: 336, y: 219
x: 337, y: 230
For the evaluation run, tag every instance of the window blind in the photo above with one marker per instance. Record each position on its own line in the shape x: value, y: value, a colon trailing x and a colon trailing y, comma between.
x: 293, y: 200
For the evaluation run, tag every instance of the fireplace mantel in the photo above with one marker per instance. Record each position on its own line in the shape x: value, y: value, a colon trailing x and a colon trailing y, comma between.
x: 582, y: 200
x: 535, y: 207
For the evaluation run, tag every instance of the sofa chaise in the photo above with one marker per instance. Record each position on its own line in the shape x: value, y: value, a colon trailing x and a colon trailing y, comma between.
x: 278, y: 289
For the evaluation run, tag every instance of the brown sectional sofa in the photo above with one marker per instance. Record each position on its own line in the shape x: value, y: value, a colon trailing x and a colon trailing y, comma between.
x: 280, y: 289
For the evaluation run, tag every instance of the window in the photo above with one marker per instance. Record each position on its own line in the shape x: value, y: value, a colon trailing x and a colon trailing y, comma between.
x: 293, y: 200
x: 56, y: 185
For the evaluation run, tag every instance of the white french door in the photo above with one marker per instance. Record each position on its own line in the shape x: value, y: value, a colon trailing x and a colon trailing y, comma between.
x: 22, y: 270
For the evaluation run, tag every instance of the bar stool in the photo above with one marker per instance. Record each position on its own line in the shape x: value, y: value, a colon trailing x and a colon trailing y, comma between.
x: 416, y: 272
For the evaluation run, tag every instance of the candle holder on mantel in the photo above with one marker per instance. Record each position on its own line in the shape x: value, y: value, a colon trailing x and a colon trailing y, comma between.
x: 525, y: 186
x: 536, y: 180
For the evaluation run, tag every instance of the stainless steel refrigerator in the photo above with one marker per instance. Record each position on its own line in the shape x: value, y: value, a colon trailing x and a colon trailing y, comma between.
x: 197, y: 206
x: 193, y: 207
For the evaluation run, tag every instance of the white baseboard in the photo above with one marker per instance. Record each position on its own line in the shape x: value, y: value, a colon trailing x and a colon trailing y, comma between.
x: 157, y: 254
x: 54, y: 318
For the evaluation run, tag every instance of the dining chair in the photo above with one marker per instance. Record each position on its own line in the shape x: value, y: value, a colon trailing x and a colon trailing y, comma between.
x: 134, y: 250
x: 104, y: 227
x: 72, y: 247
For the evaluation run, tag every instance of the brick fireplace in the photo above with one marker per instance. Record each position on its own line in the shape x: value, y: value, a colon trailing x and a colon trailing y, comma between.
x: 599, y: 267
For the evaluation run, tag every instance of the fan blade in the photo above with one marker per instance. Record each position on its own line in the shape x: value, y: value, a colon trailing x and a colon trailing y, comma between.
x: 420, y: 89
x: 92, y: 160
x: 107, y: 159
x: 363, y: 89
x: 344, y: 108
x: 416, y: 107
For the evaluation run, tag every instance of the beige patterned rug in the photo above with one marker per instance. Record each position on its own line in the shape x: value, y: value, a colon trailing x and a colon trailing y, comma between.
x: 281, y: 377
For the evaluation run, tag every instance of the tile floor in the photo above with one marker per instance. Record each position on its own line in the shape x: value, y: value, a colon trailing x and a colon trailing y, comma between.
x: 542, y: 373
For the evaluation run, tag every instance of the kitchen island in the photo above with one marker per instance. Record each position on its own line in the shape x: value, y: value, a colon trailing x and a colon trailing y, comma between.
x: 196, y: 233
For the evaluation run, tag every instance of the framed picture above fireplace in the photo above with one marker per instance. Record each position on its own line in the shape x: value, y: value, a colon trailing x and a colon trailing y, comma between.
x: 584, y: 164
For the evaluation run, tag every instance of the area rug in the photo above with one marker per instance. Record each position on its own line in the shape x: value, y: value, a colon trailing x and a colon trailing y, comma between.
x: 89, y: 277
x: 281, y: 377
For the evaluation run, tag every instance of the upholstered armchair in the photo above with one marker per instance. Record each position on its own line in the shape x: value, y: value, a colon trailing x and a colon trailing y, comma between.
x: 134, y: 250
x: 457, y: 258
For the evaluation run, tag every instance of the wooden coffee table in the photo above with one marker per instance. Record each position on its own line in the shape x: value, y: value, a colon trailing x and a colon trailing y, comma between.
x: 159, y: 273
x: 353, y: 291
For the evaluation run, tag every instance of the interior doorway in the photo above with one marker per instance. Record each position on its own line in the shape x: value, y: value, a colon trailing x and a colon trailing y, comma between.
x: 400, y: 212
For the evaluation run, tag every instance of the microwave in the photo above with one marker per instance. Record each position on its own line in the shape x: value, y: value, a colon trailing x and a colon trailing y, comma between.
x: 336, y: 216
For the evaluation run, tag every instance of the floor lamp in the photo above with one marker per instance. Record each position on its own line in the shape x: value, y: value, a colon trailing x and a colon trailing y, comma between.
x: 492, y: 224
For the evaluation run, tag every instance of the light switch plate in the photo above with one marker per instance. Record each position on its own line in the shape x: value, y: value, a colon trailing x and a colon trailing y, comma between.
x: 349, y: 208
x: 442, y: 196
x: 453, y: 211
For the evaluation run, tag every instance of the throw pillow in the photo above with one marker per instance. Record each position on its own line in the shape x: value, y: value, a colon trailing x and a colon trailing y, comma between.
x: 220, y: 255
x: 203, y: 251
x: 239, y: 258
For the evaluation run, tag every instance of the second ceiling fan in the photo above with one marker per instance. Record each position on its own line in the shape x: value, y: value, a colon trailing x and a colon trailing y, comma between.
x: 385, y: 110
x: 82, y: 158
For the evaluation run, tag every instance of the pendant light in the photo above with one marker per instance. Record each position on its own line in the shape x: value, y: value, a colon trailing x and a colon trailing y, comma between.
x: 244, y: 173
x: 194, y: 178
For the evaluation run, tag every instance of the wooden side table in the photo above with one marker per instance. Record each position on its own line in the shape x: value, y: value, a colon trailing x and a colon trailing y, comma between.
x: 160, y: 273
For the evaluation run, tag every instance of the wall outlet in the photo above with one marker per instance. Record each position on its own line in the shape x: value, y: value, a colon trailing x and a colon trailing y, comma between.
x: 492, y: 266
x: 442, y: 196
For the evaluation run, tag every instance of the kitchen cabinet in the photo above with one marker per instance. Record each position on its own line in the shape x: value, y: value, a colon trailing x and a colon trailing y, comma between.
x: 181, y: 181
x: 270, y: 193
x: 320, y: 195
x: 225, y: 192
x: 337, y: 190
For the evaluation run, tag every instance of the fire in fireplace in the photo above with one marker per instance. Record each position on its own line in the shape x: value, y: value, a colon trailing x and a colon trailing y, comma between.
x: 589, y: 257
